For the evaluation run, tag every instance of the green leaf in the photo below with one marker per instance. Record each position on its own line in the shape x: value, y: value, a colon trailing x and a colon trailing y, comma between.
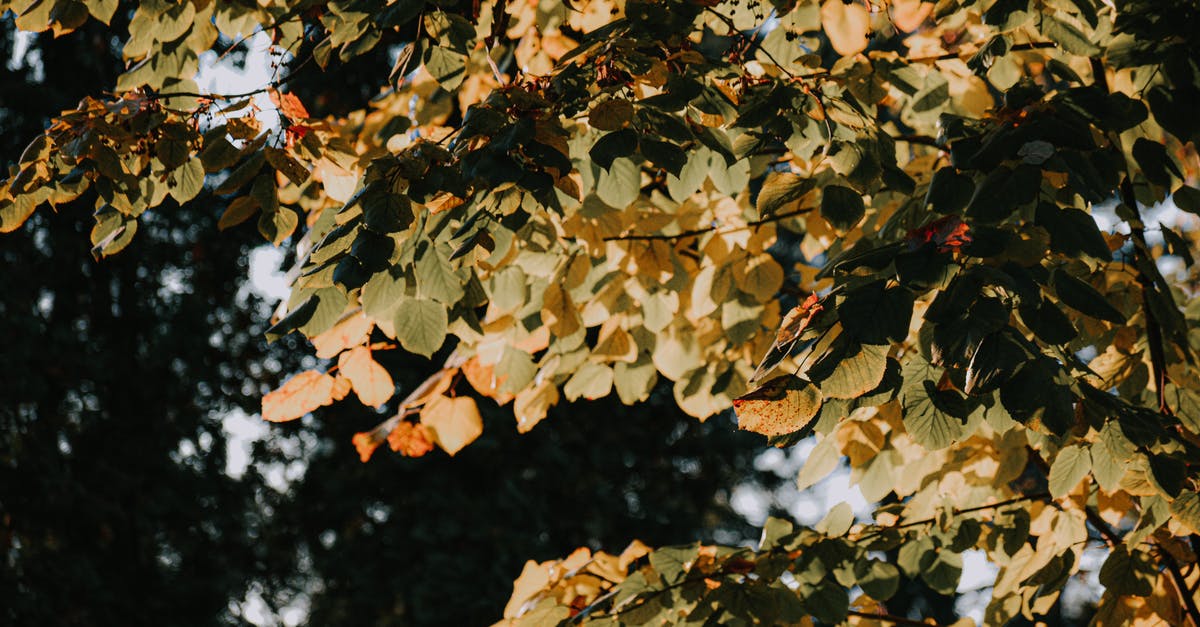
x: 614, y: 145
x: 874, y: 313
x: 331, y: 304
x: 949, y: 191
x: 1070, y: 466
x: 1039, y: 390
x: 841, y: 207
x: 1002, y: 191
x: 590, y: 381
x: 880, y: 580
x: 276, y: 226
x: 620, y: 185
x: 1187, y: 198
x: 856, y: 372
x: 994, y: 361
x: 634, y: 381
x: 1072, y: 232
x: 294, y: 320
x: 112, y: 233
x: 663, y: 154
x: 929, y: 415
x: 1047, y: 321
x: 700, y: 163
x: 1154, y: 161
x: 837, y: 521
x: 1186, y: 509
x: 1084, y: 298
x: 779, y: 189
x: 1167, y: 474
x: 1126, y: 573
x: 1067, y: 36
x: 821, y: 461
x: 436, y: 278
x: 774, y: 531
x: 188, y: 181
x: 446, y: 66
x: 1110, y: 453
x: 381, y: 293
x: 420, y: 325
x: 671, y: 562
x: 943, y: 573
x: 827, y: 601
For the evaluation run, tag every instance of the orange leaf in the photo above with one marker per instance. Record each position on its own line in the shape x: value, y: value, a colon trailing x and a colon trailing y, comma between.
x: 485, y: 381
x: 908, y: 15
x: 346, y: 333
x: 301, y: 394
x: 341, y: 387
x: 289, y: 105
x: 798, y: 319
x: 948, y: 234
x: 410, y: 440
x: 366, y: 442
x: 455, y: 421
x: 371, y: 381
x: 783, y: 405
x: 846, y: 25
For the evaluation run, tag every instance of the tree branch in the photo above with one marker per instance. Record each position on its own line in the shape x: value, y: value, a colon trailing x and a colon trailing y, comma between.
x: 923, y: 140
x: 708, y: 229
x: 1189, y: 601
x: 1137, y: 231
x: 889, y: 618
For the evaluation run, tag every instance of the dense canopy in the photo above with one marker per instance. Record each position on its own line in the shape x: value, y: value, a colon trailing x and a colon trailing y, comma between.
x: 951, y: 242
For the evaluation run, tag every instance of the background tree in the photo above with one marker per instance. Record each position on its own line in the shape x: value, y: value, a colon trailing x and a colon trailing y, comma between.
x: 120, y: 503
x: 587, y: 198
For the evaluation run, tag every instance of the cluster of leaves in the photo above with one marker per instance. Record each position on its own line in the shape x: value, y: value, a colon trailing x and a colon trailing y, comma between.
x: 797, y: 575
x: 566, y: 200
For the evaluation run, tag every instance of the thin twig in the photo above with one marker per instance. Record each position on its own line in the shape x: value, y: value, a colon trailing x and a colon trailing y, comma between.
x: 1040, y: 496
x: 889, y: 618
x: 709, y: 229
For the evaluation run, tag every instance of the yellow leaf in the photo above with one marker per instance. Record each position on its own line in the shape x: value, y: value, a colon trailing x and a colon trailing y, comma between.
x: 908, y: 15
x: 371, y: 382
x: 301, y: 394
x: 346, y: 333
x: 455, y: 422
x: 846, y: 25
x: 782, y: 405
x: 532, y: 404
x: 534, y: 578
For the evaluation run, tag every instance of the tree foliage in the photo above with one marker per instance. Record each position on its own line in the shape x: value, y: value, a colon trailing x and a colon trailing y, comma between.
x: 872, y: 223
